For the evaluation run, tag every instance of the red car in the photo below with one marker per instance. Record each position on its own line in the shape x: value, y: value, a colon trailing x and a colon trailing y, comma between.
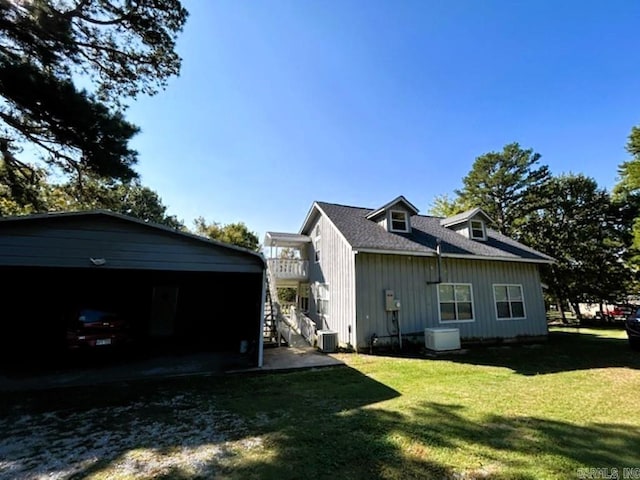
x: 97, y: 329
x: 620, y: 312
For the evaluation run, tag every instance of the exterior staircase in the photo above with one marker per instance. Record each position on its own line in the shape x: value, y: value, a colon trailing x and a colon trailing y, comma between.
x: 294, y: 328
x: 277, y: 328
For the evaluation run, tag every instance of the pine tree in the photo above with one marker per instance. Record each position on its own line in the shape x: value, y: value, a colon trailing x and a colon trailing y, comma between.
x: 507, y: 185
x: 119, y: 48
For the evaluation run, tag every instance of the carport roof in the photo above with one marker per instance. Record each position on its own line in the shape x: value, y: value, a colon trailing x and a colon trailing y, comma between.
x: 106, y: 214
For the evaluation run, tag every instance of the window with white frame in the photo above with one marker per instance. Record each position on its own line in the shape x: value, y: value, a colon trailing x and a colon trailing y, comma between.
x: 456, y: 302
x: 399, y: 221
x: 322, y: 298
x: 477, y: 230
x: 316, y: 244
x: 303, y: 297
x: 509, y: 301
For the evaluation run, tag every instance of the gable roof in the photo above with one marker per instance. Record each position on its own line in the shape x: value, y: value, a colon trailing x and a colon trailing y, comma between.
x: 465, y: 217
x: 395, y: 201
x: 367, y: 236
x: 99, y: 213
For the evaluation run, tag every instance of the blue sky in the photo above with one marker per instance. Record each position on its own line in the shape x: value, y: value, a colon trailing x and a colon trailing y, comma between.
x: 280, y: 103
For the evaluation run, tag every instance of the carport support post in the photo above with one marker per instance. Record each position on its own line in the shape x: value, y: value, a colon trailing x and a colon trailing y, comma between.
x: 264, y: 300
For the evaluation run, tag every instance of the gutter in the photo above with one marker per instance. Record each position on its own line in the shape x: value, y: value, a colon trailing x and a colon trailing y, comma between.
x: 452, y: 255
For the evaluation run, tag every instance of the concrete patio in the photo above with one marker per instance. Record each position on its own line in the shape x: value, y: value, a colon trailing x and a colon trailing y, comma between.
x: 276, y: 359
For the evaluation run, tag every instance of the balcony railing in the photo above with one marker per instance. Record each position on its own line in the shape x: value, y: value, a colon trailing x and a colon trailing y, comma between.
x: 290, y: 269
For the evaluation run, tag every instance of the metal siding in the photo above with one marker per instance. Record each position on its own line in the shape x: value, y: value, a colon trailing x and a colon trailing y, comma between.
x: 73, y: 242
x: 335, y: 268
x: 408, y: 277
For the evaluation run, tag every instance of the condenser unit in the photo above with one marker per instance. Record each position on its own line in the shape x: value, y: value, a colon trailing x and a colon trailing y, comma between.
x: 442, y: 339
x: 327, y: 341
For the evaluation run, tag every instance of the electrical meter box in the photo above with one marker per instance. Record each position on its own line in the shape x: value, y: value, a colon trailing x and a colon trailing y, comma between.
x: 390, y: 302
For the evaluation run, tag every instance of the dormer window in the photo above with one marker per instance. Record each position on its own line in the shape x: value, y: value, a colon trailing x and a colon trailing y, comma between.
x: 477, y: 230
x: 395, y: 216
x: 399, y: 221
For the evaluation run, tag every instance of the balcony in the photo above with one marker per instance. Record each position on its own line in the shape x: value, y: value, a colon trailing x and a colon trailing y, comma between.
x: 287, y: 253
x: 289, y: 269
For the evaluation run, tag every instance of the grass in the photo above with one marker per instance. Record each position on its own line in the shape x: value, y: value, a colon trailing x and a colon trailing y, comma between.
x: 518, y: 412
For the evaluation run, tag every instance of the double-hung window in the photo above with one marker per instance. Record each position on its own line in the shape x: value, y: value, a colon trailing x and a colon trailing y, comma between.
x: 477, y: 230
x: 322, y: 298
x: 509, y: 302
x: 316, y: 244
x: 399, y: 221
x: 456, y: 302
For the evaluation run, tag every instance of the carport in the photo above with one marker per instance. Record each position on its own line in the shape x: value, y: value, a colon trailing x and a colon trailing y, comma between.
x: 175, y: 288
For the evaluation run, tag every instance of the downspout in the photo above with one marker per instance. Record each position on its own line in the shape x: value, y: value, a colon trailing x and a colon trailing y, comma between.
x: 439, y: 261
x: 354, y: 293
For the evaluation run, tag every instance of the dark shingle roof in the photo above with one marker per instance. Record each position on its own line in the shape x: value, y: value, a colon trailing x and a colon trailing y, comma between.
x: 364, y: 234
x: 464, y: 217
x: 54, y: 216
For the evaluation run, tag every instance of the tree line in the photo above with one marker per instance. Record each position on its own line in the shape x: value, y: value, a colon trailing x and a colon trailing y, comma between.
x: 593, y: 234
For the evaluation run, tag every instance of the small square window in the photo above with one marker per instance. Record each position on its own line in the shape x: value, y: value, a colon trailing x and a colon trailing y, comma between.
x: 399, y: 221
x: 477, y: 230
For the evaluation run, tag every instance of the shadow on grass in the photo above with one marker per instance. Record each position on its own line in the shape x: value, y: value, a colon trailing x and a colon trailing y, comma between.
x: 328, y: 423
x: 97, y: 427
x: 387, y: 444
x: 565, y: 350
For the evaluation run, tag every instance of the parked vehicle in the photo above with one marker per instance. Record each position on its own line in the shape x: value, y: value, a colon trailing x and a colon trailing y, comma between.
x: 92, y: 328
x: 621, y: 312
x: 632, y: 326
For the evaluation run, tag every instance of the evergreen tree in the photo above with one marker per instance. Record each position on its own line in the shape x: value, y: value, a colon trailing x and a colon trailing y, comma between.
x: 627, y: 194
x: 507, y: 185
x: 120, y: 48
x: 579, y: 228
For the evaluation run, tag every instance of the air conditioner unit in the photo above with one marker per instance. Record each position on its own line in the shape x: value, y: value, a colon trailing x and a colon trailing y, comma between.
x: 442, y: 339
x: 327, y: 341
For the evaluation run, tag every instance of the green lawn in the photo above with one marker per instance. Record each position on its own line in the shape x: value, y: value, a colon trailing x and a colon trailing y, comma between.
x: 521, y: 412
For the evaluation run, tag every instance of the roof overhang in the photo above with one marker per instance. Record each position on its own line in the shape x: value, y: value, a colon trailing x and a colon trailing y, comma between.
x: 289, y: 240
x: 398, y: 200
x: 315, y: 208
x: 465, y: 217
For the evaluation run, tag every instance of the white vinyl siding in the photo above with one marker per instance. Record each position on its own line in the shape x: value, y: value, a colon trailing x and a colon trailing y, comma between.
x: 413, y: 281
x: 336, y: 269
x: 456, y: 302
x: 509, y: 302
